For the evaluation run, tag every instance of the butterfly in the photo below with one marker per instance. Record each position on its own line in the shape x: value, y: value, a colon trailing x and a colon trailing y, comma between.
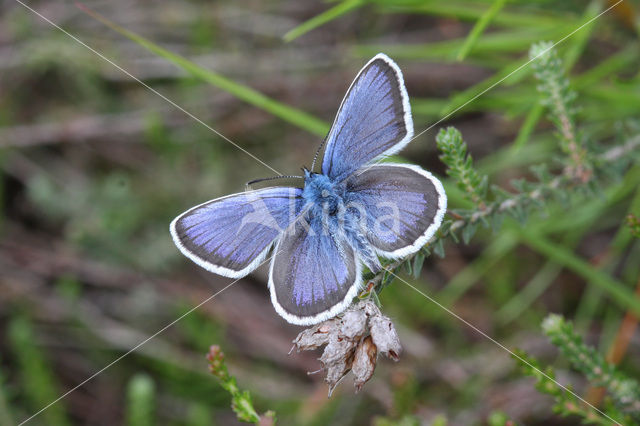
x: 345, y: 212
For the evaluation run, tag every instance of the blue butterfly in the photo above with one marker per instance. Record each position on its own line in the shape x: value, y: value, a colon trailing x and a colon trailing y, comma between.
x: 343, y: 213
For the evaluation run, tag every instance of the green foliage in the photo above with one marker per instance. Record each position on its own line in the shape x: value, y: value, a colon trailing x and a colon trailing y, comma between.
x: 558, y: 97
x: 498, y: 418
x: 479, y: 28
x: 562, y: 256
x: 634, y: 224
x: 623, y: 402
x: 407, y: 420
x: 102, y: 214
x: 439, y: 420
x: 39, y: 383
x: 624, y: 392
x: 460, y: 166
x: 140, y: 401
x: 198, y: 415
x: 293, y: 115
x: 336, y: 11
x: 240, y: 400
x: 565, y: 402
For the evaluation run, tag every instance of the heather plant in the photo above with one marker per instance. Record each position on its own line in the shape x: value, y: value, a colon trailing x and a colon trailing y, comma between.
x: 240, y: 400
x: 622, y: 403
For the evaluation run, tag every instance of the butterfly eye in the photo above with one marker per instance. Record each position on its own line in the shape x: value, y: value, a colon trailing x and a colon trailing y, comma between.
x: 325, y: 193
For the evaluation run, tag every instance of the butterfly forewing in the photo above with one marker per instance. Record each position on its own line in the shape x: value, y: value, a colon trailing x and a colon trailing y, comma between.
x: 231, y: 235
x: 374, y: 120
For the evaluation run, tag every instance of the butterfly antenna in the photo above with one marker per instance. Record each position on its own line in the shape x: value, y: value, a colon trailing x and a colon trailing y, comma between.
x: 315, y: 157
x: 248, y: 184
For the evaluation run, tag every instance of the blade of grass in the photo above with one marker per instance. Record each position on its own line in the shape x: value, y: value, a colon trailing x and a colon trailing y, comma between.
x: 614, y: 63
x: 511, y: 104
x: 529, y: 293
x: 626, y: 328
x: 528, y: 126
x: 577, y: 45
x: 579, y: 40
x: 626, y: 96
x: 587, y: 211
x: 590, y: 301
x: 592, y: 275
x: 550, y: 270
x: 588, y: 308
x: 631, y: 268
x: 463, y: 97
x: 140, y: 401
x: 479, y: 28
x: 545, y: 276
x: 323, y: 18
x: 292, y: 115
x: 38, y: 382
x: 473, y: 11
x: 499, y: 42
x: 470, y: 274
x: 503, y: 159
x: 426, y: 107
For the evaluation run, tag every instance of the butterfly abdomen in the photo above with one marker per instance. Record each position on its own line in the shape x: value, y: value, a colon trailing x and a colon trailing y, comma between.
x: 356, y: 237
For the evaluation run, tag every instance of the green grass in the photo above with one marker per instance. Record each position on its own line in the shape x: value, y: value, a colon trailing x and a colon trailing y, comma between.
x: 479, y: 27
x: 287, y: 113
x: 140, y: 401
x: 329, y: 15
x: 40, y: 386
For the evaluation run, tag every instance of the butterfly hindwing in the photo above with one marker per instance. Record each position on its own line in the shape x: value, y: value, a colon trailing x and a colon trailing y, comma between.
x: 231, y: 235
x: 374, y: 120
x: 404, y: 206
x: 314, y: 275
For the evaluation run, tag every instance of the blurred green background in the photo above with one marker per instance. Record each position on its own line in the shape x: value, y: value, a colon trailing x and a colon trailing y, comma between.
x: 94, y: 166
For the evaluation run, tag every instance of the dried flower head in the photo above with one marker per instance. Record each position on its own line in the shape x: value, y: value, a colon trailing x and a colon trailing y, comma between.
x: 353, y: 342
